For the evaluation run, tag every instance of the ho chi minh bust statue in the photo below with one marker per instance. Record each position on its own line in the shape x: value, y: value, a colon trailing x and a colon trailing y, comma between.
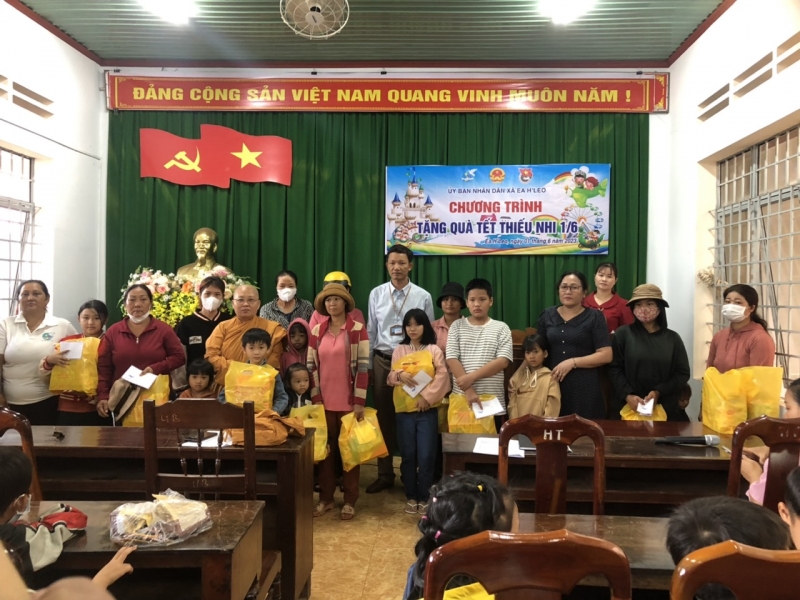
x: 205, y: 247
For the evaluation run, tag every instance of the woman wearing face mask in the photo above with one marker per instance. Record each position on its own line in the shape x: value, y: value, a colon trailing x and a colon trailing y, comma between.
x: 746, y: 342
x: 194, y: 330
x: 650, y: 361
x: 139, y: 340
x: 287, y: 306
x: 26, y: 339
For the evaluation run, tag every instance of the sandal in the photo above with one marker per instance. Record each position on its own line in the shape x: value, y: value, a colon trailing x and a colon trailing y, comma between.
x: 322, y: 507
x: 348, y: 512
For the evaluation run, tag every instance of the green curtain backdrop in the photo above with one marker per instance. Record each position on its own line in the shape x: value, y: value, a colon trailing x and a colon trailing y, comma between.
x: 332, y: 216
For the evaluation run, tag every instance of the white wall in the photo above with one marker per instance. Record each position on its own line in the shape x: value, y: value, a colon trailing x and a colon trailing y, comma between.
x: 684, y: 151
x: 70, y: 149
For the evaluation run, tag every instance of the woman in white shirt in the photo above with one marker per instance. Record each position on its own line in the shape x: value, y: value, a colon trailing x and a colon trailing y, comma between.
x: 24, y: 340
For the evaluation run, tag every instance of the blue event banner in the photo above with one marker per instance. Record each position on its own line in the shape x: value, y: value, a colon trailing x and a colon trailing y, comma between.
x: 499, y: 209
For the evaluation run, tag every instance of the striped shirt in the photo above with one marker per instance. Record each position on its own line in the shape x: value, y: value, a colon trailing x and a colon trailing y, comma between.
x: 477, y: 345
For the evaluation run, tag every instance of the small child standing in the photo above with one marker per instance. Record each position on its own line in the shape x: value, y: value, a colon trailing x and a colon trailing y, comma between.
x: 533, y: 390
x: 201, y: 380
x: 296, y: 345
x: 256, y: 343
x: 418, y: 431
x: 462, y: 504
x: 479, y: 349
x: 298, y: 380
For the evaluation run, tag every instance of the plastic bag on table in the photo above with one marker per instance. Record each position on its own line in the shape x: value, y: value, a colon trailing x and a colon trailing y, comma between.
x: 628, y: 414
x: 421, y: 360
x: 245, y: 382
x: 80, y: 374
x: 474, y: 591
x: 361, y: 441
x: 170, y: 519
x: 462, y: 419
x: 313, y: 415
x: 159, y: 392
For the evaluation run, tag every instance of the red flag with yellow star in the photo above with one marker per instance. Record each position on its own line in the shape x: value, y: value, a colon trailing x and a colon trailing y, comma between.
x: 221, y: 154
x: 250, y: 158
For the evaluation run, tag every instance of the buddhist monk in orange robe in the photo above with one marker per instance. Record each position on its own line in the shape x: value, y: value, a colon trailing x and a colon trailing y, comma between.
x: 225, y: 344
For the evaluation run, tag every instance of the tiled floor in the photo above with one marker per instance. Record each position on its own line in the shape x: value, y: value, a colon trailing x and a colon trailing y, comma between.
x: 366, y: 558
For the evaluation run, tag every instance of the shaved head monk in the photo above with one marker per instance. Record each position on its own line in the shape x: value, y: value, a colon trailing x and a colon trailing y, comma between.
x: 225, y: 344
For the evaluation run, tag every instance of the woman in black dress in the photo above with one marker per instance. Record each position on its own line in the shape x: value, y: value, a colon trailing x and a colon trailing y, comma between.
x: 650, y: 361
x: 579, y: 343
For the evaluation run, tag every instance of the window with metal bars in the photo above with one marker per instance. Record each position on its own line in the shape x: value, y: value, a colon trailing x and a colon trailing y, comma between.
x: 757, y: 237
x: 17, y: 226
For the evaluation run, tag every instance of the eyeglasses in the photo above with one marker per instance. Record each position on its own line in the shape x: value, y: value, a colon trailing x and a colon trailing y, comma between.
x: 569, y: 288
x: 245, y: 301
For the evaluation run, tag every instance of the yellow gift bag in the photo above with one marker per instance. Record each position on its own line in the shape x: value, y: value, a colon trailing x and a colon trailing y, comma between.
x: 421, y: 360
x: 159, y: 392
x: 461, y: 418
x: 724, y: 399
x: 245, y: 382
x: 80, y: 374
x: 313, y: 415
x: 737, y: 395
x: 764, y: 385
x: 628, y: 414
x: 361, y: 441
x: 474, y: 591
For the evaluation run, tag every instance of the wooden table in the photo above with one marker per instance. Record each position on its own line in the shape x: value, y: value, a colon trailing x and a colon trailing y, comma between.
x: 642, y: 477
x: 107, y: 463
x: 643, y: 539
x: 228, y: 554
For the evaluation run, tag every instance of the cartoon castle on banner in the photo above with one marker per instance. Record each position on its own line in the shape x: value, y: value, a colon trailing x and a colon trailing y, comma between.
x: 415, y: 205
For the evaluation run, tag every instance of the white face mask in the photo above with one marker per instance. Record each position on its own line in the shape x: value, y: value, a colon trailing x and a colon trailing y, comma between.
x: 27, y: 505
x: 141, y: 319
x: 733, y: 312
x: 286, y: 294
x: 211, y: 303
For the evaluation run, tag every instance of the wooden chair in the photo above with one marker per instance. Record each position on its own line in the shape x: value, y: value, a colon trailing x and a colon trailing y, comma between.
x: 551, y: 438
x: 551, y: 563
x: 200, y: 415
x: 746, y: 571
x: 783, y: 439
x: 13, y: 420
x: 196, y: 414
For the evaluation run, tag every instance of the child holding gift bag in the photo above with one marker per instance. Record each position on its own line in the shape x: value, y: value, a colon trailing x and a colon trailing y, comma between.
x: 79, y: 407
x: 417, y: 425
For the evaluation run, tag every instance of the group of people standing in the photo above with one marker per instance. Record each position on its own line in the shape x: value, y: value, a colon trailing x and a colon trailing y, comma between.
x: 593, y: 354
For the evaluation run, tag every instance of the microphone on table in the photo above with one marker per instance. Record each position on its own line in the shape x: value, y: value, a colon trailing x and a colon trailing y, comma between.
x: 698, y: 440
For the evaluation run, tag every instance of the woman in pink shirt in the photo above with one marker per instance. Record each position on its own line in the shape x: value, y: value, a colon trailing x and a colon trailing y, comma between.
x: 338, y: 357
x: 746, y: 342
x: 418, y: 430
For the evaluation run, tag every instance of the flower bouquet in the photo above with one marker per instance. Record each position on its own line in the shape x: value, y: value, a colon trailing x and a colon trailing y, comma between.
x: 177, y: 296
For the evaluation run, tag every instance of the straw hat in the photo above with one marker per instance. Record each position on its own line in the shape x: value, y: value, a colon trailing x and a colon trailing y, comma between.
x: 333, y: 289
x: 647, y: 291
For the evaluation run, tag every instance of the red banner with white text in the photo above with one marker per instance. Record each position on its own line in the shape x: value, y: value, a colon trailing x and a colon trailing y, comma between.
x: 644, y: 94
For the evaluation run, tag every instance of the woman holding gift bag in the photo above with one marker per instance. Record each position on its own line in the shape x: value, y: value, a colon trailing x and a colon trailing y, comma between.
x: 79, y: 407
x: 417, y: 425
x: 338, y: 357
x: 139, y: 340
x: 746, y: 342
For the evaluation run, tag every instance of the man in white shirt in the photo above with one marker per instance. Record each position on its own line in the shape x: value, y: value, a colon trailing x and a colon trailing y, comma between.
x: 388, y: 303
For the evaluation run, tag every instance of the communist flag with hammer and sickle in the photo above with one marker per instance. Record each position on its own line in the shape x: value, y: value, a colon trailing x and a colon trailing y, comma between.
x: 221, y: 154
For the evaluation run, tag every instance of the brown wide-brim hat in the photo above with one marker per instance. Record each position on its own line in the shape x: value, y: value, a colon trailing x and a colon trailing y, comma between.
x: 647, y: 291
x: 122, y: 397
x: 333, y: 289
